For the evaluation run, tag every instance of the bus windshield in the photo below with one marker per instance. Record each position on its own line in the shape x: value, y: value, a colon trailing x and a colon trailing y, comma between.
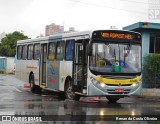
x: 115, y: 58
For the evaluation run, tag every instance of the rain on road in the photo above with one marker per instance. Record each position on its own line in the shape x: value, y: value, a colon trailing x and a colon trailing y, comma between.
x: 17, y: 100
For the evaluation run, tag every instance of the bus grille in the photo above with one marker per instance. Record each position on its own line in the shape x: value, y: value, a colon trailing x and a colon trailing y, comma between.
x: 118, y: 85
x: 113, y: 92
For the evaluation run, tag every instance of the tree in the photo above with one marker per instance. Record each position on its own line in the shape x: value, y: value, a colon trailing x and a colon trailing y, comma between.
x: 151, y: 70
x: 8, y: 43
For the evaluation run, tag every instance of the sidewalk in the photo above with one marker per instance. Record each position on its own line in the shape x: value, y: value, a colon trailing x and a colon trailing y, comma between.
x: 150, y: 92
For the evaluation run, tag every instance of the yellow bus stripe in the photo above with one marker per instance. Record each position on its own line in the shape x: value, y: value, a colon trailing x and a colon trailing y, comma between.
x: 118, y: 81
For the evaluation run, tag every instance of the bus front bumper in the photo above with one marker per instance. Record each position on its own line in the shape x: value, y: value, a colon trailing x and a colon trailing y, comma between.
x: 114, y: 90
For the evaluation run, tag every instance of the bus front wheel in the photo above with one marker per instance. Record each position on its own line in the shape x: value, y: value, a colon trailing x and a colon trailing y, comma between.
x: 112, y: 99
x: 69, y: 94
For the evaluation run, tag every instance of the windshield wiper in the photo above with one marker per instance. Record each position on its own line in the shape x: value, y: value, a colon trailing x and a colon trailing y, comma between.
x: 127, y: 50
x: 124, y: 56
x: 114, y: 54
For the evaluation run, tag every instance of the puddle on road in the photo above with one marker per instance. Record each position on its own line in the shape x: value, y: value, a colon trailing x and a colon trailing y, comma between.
x: 7, y: 106
x: 41, y: 99
x: 33, y: 106
x: 32, y: 100
x: 71, y: 108
x: 125, y: 102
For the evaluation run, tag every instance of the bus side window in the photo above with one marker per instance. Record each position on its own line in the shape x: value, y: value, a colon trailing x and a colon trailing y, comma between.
x: 36, y: 52
x: 51, y: 50
x: 30, y: 52
x: 19, y: 52
x: 69, y: 50
x: 60, y: 50
x: 24, y: 52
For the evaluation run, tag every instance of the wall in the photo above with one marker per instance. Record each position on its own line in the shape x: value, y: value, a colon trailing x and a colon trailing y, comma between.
x: 145, y: 43
x: 10, y: 65
x: 7, y: 65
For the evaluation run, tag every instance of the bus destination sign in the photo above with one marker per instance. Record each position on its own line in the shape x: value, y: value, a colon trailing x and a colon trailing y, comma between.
x: 114, y: 35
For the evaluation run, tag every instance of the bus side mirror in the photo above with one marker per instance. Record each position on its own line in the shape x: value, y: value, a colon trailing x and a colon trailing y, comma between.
x: 89, y: 49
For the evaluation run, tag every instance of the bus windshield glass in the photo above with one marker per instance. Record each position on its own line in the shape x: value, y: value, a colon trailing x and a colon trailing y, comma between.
x: 115, y: 58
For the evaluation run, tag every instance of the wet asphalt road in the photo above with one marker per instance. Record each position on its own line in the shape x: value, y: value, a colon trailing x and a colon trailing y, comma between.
x: 17, y: 100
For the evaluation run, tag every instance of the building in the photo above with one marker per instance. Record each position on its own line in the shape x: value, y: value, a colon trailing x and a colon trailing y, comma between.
x: 113, y: 27
x: 150, y: 44
x: 150, y: 36
x: 53, y: 29
x: 41, y: 35
x: 7, y: 64
x: 71, y: 29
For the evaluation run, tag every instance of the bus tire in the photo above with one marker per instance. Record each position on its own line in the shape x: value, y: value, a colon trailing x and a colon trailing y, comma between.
x: 68, y: 90
x: 77, y: 97
x: 34, y: 88
x: 112, y: 99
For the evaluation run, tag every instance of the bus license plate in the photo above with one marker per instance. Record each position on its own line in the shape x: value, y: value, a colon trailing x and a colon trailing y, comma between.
x: 119, y: 90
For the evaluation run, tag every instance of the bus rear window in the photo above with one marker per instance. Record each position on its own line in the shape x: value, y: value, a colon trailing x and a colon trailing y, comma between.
x: 19, y: 52
x: 24, y: 52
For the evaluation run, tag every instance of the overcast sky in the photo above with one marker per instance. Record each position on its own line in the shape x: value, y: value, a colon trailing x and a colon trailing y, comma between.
x: 31, y: 16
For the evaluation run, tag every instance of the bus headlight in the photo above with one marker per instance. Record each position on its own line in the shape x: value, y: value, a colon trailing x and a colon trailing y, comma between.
x: 136, y: 84
x: 102, y: 85
x: 96, y: 83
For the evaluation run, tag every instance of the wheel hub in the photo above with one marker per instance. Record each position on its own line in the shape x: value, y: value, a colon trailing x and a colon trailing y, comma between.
x: 70, y: 94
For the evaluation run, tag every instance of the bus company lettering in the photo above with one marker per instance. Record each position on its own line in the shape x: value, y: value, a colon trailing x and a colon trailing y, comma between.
x: 133, y: 80
x: 32, y: 67
x: 116, y: 35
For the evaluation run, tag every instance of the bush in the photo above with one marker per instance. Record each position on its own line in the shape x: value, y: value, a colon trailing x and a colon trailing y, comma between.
x: 151, y: 70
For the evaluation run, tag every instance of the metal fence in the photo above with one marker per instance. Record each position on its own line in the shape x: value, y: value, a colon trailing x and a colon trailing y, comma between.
x: 3, y: 64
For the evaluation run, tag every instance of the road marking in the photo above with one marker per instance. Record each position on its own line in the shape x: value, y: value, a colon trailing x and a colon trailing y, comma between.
x: 17, y: 89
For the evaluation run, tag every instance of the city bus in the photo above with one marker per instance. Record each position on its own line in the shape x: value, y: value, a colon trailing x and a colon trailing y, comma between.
x: 79, y: 64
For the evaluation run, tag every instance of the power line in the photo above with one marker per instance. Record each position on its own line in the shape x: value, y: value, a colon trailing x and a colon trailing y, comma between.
x: 109, y: 7
x: 136, y: 2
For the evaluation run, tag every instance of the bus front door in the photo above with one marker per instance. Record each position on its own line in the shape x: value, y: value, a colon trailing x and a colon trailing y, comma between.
x: 43, y: 65
x: 79, y: 83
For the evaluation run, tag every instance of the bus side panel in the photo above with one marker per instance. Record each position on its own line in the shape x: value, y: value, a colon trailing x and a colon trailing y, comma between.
x: 18, y: 69
x: 21, y: 71
x: 24, y: 74
x: 32, y: 66
x: 65, y: 70
x: 53, y: 74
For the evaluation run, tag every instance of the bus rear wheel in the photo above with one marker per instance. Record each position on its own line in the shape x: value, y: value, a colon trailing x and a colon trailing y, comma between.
x: 34, y: 88
x: 112, y: 99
